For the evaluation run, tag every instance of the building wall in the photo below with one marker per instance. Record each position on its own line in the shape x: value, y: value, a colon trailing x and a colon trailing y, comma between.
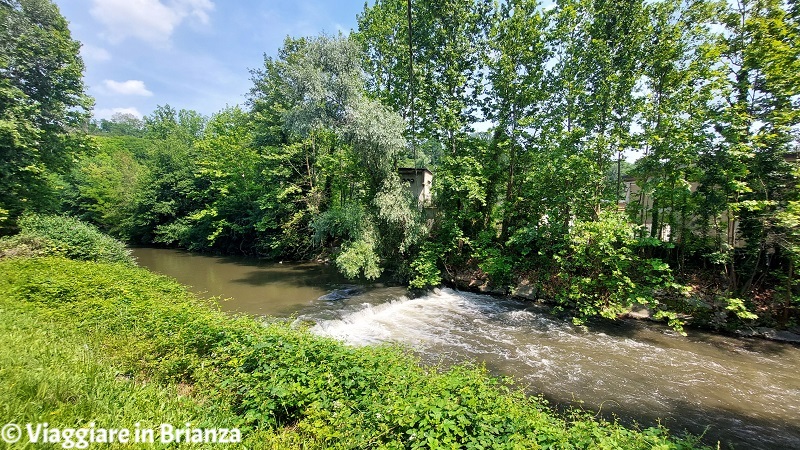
x: 633, y: 193
x: 419, y: 182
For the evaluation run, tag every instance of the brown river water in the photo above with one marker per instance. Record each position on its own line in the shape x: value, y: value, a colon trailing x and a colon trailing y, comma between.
x: 741, y: 392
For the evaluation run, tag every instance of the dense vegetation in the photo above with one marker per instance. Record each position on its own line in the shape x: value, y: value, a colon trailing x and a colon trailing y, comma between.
x: 63, y: 236
x: 41, y: 99
x: 704, y: 93
x: 116, y: 345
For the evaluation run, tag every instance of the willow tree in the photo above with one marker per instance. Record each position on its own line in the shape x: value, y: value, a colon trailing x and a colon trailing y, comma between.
x: 352, y: 144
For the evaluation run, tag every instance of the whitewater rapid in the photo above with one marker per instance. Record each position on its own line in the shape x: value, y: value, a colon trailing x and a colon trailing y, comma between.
x: 724, y: 387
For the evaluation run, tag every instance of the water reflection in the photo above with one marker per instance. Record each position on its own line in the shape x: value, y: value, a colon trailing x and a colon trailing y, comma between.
x: 251, y: 286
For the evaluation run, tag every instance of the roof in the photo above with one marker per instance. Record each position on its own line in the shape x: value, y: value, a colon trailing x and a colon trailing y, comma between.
x: 410, y: 170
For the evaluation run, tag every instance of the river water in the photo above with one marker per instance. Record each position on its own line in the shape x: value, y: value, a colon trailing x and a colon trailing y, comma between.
x: 740, y: 391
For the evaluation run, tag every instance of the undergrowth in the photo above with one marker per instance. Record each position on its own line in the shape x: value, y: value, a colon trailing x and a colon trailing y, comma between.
x: 53, y: 374
x: 43, y: 235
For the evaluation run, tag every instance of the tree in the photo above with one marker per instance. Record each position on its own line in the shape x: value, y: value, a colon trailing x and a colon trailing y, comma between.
x: 120, y: 124
x: 516, y: 96
x: 787, y: 240
x: 229, y: 168
x: 597, y: 50
x: 42, y: 102
x: 747, y: 179
x: 102, y: 185
x: 166, y: 194
x: 349, y: 147
x: 165, y: 122
x: 675, y: 118
x: 448, y: 39
x: 297, y: 185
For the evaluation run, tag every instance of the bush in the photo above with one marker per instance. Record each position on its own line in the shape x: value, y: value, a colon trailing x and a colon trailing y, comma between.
x: 424, y: 268
x: 601, y: 274
x: 67, y: 236
x: 494, y: 263
x: 22, y: 245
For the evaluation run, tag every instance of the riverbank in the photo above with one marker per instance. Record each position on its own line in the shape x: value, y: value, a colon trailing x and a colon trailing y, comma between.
x: 703, y: 309
x: 144, y: 335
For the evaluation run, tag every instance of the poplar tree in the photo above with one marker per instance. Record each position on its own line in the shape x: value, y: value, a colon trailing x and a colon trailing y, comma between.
x: 747, y: 179
x: 677, y: 88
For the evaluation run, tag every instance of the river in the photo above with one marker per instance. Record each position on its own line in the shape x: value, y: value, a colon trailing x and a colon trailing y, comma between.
x: 744, y: 392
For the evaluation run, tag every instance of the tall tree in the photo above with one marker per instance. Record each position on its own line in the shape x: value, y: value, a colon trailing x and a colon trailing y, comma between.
x: 598, y: 47
x: 120, y: 124
x: 351, y: 145
x: 166, y: 194
x: 678, y: 85
x: 42, y: 103
x: 515, y: 102
x: 290, y: 173
x: 103, y: 184
x: 746, y: 177
x: 165, y: 122
x: 228, y: 167
x: 448, y: 40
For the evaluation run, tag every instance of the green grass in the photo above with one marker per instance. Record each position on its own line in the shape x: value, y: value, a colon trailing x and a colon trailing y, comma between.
x: 109, y: 343
x: 52, y: 374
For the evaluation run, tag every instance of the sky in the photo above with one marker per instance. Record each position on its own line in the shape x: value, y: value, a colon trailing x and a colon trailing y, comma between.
x: 190, y: 54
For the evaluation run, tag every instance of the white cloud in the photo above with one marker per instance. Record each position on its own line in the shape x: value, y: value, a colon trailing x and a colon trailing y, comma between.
x: 130, y: 87
x: 90, y: 52
x: 149, y: 20
x: 106, y: 113
x: 197, y: 8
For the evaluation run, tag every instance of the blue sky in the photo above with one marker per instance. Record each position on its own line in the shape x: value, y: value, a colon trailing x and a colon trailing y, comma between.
x: 190, y: 54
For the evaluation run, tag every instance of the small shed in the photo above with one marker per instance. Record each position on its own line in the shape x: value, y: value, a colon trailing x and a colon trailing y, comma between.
x: 419, y: 183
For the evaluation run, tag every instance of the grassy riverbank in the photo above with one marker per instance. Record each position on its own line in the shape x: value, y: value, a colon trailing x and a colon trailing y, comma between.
x: 114, y: 344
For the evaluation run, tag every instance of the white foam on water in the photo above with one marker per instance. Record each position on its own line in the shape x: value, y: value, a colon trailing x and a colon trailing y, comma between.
x: 635, y: 368
x: 473, y: 323
x: 403, y: 320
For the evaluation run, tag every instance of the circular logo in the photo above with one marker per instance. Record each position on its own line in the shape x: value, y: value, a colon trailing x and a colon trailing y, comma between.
x: 11, y: 433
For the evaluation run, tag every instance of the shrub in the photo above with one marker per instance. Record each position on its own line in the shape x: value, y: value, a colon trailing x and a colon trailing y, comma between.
x: 494, y: 263
x: 28, y: 246
x: 601, y: 274
x: 68, y: 236
x: 424, y: 268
